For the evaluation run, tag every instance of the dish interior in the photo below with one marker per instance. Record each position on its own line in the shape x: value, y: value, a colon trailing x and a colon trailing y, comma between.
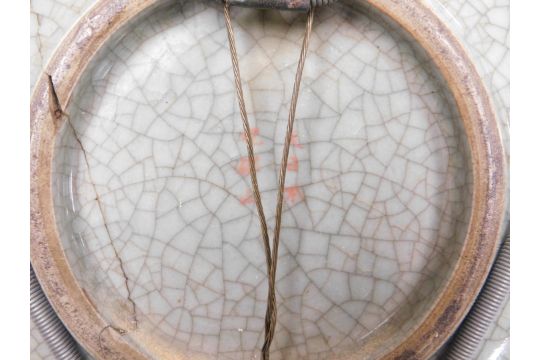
x: 153, y: 200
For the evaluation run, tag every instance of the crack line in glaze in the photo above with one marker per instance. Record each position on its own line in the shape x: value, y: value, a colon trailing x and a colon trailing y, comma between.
x: 58, y: 115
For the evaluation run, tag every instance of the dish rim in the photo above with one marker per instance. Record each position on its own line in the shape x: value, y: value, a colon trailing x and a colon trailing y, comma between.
x: 484, y: 231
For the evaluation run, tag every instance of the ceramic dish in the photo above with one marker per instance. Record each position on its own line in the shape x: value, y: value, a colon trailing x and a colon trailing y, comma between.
x: 144, y: 235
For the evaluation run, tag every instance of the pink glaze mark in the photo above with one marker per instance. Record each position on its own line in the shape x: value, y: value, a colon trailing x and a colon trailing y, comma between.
x: 294, y: 195
x: 292, y: 165
x: 243, y: 165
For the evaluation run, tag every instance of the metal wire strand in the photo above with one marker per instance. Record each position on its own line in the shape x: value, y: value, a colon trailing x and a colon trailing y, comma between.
x: 249, y: 139
x: 271, y: 310
x: 271, y: 254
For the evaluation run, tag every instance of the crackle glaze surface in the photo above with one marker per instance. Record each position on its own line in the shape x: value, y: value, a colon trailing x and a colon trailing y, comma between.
x: 39, y: 349
x: 497, y: 344
x: 50, y: 20
x: 376, y: 192
x: 153, y: 196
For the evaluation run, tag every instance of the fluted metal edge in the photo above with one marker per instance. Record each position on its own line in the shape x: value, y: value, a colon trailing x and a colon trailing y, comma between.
x: 62, y: 344
x: 471, y: 333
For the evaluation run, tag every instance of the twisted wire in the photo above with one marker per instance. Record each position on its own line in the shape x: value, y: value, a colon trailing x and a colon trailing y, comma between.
x: 271, y: 254
x: 271, y: 310
x: 248, y: 137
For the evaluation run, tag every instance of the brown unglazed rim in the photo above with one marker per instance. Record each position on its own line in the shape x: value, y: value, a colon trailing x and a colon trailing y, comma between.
x: 479, y: 121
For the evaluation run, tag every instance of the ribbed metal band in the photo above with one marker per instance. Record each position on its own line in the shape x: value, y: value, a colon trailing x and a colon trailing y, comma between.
x: 472, y: 332
x: 62, y: 344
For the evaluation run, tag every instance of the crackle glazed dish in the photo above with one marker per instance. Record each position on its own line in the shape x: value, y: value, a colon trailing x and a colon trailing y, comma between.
x: 145, y: 236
